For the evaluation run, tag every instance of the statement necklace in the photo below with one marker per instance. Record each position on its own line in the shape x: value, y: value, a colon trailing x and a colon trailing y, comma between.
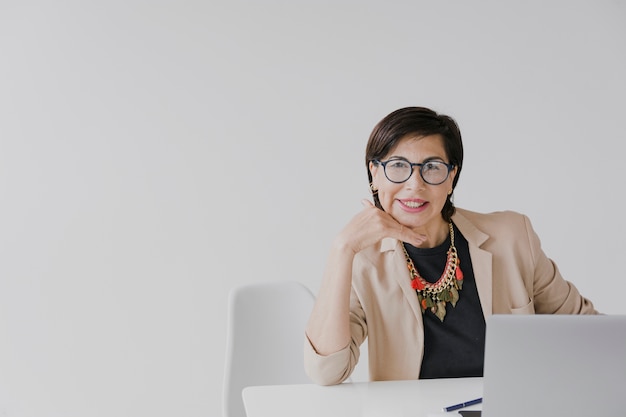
x: 434, y: 296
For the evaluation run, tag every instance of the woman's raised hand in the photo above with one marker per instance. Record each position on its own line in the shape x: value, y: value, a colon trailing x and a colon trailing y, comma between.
x: 372, y: 225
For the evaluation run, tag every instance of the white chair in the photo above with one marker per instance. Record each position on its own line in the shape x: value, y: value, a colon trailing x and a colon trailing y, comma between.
x: 265, y: 339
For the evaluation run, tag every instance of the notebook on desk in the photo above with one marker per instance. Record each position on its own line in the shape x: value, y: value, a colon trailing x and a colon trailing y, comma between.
x: 555, y: 365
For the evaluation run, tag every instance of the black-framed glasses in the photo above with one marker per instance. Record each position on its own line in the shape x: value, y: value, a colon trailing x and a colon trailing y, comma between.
x: 398, y: 170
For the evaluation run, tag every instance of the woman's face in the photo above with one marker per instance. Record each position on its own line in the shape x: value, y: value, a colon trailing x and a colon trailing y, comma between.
x: 414, y: 203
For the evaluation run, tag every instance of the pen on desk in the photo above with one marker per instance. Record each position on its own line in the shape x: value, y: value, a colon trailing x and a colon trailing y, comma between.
x: 462, y: 405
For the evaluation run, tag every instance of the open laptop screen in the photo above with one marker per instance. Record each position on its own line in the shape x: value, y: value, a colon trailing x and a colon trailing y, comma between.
x: 555, y: 365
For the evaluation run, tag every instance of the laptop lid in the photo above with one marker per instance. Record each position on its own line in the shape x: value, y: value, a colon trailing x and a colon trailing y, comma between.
x: 555, y: 365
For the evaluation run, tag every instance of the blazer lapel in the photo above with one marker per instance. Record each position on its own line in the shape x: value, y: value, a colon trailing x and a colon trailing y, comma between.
x: 481, y: 261
x: 400, y: 271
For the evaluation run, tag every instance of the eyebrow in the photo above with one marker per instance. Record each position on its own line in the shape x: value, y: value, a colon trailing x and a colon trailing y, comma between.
x: 427, y: 159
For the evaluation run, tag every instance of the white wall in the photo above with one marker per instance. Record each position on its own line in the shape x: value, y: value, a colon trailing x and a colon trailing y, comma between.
x: 154, y: 154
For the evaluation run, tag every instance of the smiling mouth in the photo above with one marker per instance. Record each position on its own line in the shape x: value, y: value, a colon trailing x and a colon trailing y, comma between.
x: 413, y: 204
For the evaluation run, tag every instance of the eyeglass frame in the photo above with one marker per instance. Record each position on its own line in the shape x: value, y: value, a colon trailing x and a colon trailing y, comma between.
x: 412, y: 165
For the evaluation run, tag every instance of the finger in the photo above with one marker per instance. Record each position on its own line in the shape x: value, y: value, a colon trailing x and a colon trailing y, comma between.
x: 367, y: 203
x: 409, y: 236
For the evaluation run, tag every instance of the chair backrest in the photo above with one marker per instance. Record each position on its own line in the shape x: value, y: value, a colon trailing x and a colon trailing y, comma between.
x: 265, y: 339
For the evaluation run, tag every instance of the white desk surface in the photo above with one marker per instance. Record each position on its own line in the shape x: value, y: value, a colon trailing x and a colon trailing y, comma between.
x: 421, y: 398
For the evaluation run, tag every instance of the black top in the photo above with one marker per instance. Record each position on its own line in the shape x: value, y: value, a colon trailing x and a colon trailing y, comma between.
x: 455, y: 347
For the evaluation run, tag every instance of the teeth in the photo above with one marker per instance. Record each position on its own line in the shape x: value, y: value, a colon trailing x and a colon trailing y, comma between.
x: 413, y: 204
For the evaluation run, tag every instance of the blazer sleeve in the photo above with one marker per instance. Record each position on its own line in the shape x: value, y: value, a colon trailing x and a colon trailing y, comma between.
x: 552, y: 294
x: 337, y: 367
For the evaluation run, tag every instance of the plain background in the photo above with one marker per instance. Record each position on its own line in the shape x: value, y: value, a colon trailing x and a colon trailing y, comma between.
x: 155, y: 154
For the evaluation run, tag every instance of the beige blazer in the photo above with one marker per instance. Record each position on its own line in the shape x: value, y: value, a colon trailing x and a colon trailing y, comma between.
x: 513, y: 276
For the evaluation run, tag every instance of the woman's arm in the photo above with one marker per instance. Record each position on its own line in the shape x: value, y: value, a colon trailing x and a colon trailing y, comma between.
x: 328, y: 328
x: 552, y: 294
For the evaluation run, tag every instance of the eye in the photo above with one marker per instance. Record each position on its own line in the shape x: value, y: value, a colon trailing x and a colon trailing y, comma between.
x: 398, y: 164
x: 433, y: 166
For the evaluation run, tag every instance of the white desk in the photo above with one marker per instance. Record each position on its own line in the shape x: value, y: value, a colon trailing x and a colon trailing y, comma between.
x: 421, y: 398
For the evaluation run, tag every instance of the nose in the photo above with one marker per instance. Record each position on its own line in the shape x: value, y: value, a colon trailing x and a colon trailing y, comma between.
x: 415, y: 181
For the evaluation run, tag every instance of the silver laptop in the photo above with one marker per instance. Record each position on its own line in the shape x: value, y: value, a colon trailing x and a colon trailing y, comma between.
x: 555, y: 365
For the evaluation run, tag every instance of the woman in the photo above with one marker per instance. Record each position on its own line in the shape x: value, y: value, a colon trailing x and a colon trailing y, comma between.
x: 417, y: 276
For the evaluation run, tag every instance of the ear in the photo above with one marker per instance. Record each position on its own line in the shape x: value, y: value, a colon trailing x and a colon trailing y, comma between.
x: 453, y: 174
x: 373, y: 170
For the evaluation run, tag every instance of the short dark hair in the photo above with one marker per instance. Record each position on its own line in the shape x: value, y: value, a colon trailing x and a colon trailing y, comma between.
x: 417, y: 122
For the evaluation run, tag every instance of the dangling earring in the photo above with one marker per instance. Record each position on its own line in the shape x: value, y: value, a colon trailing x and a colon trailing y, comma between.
x: 373, y: 188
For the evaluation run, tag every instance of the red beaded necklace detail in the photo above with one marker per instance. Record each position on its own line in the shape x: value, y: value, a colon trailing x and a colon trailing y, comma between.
x: 434, y: 296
